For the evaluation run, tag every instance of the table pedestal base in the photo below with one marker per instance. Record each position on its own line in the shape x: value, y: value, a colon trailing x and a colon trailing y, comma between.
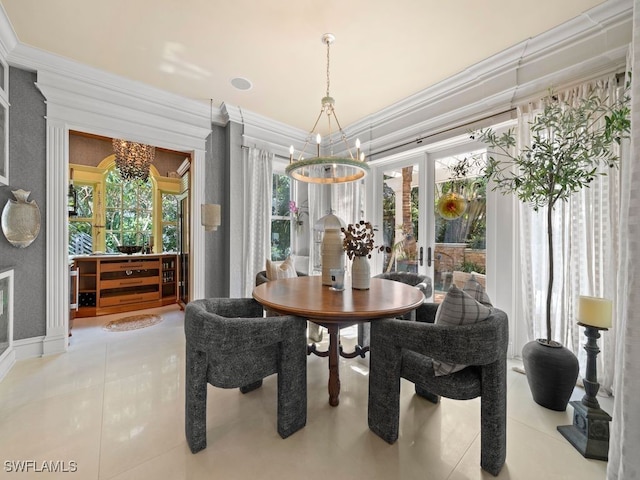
x: 334, y: 353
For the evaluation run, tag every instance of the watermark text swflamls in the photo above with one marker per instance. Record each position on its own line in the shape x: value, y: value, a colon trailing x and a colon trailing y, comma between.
x: 49, y: 466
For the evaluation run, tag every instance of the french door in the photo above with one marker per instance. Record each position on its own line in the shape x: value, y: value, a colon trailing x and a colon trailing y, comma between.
x: 412, y: 217
x: 400, y: 190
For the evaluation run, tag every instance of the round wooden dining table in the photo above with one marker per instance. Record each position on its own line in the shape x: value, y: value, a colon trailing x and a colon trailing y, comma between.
x: 307, y: 297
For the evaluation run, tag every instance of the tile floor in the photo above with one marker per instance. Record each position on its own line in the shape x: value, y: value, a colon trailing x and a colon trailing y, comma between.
x: 114, y: 405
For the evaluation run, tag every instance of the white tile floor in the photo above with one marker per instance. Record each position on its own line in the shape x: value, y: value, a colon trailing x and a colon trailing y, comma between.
x: 114, y: 405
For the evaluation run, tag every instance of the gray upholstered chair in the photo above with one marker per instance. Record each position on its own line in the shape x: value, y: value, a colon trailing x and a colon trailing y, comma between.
x: 230, y: 344
x: 405, y: 349
x: 315, y: 332
x: 421, y: 282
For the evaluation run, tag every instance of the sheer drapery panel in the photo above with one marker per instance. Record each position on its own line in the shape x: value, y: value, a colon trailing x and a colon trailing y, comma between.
x: 258, y: 184
x: 624, y: 462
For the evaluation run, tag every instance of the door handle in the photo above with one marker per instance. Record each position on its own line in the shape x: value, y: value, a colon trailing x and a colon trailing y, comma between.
x: 421, y: 258
x: 429, y: 257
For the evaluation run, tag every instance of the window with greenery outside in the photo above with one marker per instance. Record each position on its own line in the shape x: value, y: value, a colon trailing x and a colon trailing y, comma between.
x: 280, y: 220
x: 129, y: 211
x: 169, y: 222
x: 81, y: 225
x: 408, y: 220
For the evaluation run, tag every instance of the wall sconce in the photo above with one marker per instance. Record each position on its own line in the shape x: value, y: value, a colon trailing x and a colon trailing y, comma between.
x: 210, y: 216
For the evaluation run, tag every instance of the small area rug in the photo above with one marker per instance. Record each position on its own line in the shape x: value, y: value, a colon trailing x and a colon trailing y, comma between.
x: 132, y: 322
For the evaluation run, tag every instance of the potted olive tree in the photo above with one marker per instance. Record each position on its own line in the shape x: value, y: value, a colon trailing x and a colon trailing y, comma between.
x: 569, y: 144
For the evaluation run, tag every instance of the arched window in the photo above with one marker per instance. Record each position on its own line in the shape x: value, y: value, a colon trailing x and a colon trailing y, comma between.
x: 114, y: 212
x: 128, y: 211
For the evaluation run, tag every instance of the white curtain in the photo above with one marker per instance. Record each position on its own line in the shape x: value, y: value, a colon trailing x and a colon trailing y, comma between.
x: 258, y: 185
x: 624, y: 462
x: 585, y: 243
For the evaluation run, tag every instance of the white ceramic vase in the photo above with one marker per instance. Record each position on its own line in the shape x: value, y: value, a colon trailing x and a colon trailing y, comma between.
x: 360, y: 273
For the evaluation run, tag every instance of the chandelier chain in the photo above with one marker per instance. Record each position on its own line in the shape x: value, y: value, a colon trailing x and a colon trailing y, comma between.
x: 328, y: 81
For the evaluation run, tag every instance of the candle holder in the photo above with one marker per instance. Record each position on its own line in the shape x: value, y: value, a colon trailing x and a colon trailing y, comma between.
x: 589, y: 433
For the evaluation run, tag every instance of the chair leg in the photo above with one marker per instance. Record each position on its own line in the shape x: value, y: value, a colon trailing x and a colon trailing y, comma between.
x: 427, y: 395
x: 493, y: 417
x: 364, y: 334
x: 251, y: 387
x: 195, y: 412
x: 384, y: 388
x: 292, y: 384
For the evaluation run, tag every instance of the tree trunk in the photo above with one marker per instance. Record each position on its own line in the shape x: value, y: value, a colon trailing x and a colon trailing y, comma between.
x: 550, y: 286
x: 407, y: 178
x: 409, y: 243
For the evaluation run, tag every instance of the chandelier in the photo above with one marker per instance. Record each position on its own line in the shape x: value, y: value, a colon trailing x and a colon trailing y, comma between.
x: 133, y: 159
x: 327, y: 169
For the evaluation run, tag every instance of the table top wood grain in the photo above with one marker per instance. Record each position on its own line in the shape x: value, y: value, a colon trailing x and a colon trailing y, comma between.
x: 307, y: 297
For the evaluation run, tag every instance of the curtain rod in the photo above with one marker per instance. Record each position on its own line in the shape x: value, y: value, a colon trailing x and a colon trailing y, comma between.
x: 419, y: 140
x: 275, y: 154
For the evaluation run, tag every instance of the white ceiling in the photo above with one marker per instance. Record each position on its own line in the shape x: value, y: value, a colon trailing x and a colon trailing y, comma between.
x: 385, y: 50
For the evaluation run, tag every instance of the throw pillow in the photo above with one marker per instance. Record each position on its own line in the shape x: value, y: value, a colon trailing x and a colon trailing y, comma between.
x: 278, y: 270
x: 457, y: 308
x: 476, y: 291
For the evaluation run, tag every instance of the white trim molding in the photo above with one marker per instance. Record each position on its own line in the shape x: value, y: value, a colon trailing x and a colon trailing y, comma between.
x: 100, y: 109
x: 8, y: 356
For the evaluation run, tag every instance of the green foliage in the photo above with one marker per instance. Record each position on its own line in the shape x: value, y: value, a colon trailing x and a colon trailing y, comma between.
x: 569, y: 145
x: 169, y: 222
x: 470, y: 227
x: 281, y: 194
x: 280, y: 239
x: 85, y: 201
x: 470, y: 267
x: 129, y: 211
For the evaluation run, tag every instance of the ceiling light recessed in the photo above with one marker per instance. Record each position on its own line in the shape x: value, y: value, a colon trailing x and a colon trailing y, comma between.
x: 241, y: 83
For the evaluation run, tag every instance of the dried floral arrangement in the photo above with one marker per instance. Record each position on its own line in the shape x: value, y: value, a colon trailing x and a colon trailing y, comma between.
x: 358, y: 240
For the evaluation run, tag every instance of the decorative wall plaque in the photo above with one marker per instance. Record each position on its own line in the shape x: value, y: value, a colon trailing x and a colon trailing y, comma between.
x: 21, y: 220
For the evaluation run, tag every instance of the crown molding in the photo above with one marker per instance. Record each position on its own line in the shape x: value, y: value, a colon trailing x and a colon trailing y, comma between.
x: 8, y: 38
x: 118, y: 112
x: 590, y: 45
x: 593, y: 43
x: 259, y: 130
x: 86, y: 88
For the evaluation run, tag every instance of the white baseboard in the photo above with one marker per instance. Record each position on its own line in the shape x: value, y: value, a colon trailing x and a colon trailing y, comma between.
x: 7, y: 361
x: 28, y: 347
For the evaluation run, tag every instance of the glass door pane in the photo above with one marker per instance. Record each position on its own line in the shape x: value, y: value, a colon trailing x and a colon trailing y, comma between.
x: 400, y: 218
x: 460, y: 221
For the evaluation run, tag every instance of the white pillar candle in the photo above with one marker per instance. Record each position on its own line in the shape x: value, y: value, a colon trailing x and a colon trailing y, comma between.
x: 594, y: 311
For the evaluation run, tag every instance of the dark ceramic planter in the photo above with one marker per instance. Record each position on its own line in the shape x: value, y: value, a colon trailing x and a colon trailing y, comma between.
x: 552, y: 371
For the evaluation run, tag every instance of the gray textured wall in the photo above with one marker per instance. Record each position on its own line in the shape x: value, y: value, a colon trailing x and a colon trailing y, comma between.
x: 27, y: 170
x: 216, y: 242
